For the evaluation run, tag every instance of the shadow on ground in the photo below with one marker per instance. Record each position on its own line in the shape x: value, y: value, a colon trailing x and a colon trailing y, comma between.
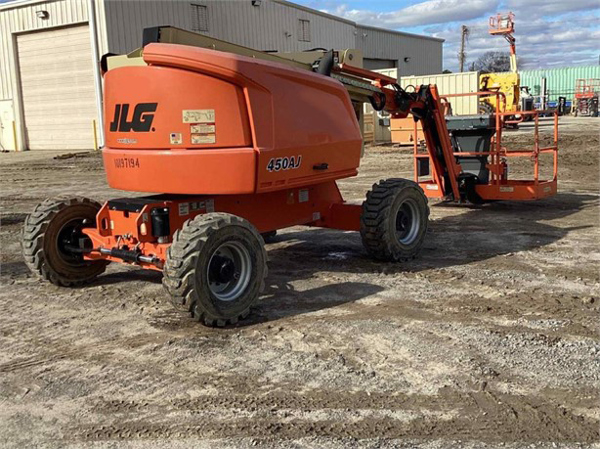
x: 480, y: 233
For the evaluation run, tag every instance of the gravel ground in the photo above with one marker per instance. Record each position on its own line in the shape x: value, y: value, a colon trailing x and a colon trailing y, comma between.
x: 489, y: 339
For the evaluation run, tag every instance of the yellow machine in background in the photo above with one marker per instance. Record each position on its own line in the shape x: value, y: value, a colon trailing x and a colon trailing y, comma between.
x: 508, y: 83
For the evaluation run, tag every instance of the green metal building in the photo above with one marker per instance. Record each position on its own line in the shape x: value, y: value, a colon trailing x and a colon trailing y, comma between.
x: 560, y: 82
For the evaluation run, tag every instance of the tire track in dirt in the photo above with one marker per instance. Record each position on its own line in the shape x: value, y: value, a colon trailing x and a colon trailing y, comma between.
x: 496, y: 417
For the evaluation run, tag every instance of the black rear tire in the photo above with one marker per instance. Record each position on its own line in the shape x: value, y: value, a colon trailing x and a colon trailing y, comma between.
x: 486, y: 108
x: 45, y: 231
x: 467, y: 186
x: 216, y: 268
x: 394, y: 220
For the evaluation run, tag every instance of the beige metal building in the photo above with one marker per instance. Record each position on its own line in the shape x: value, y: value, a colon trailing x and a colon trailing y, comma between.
x: 382, y: 128
x: 50, y: 87
x: 447, y: 84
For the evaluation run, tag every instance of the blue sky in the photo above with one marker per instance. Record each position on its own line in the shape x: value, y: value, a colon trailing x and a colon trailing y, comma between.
x: 550, y: 33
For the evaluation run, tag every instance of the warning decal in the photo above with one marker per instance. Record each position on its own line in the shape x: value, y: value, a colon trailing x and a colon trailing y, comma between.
x: 198, y: 116
x: 199, y: 139
x: 184, y: 209
x: 202, y: 128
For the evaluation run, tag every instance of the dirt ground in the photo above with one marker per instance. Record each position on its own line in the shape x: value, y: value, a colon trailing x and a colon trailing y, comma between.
x: 488, y: 339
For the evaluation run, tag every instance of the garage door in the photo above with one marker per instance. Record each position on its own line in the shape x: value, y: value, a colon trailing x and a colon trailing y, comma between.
x: 57, y: 87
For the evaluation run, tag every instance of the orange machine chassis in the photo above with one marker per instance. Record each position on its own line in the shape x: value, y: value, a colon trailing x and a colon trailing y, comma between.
x: 126, y: 226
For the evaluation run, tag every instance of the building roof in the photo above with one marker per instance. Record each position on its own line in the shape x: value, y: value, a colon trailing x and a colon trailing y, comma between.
x: 314, y: 11
x: 401, y: 33
x: 18, y: 3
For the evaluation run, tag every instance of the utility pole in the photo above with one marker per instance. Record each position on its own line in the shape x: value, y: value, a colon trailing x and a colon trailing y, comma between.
x: 462, y: 56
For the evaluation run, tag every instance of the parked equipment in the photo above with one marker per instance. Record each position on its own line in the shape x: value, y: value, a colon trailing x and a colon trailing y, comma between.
x: 527, y: 103
x: 507, y: 83
x: 587, y: 92
x: 236, y: 147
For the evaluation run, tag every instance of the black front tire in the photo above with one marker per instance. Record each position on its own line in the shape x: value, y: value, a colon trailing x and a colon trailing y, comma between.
x: 44, y: 232
x: 209, y: 258
x: 394, y: 220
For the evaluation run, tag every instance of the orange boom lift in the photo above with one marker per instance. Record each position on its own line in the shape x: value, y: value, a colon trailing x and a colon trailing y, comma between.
x: 232, y: 149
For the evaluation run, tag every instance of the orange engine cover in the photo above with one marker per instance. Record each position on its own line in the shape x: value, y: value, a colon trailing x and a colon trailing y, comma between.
x: 198, y: 121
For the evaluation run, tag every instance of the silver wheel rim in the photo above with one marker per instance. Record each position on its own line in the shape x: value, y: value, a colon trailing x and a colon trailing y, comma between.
x: 408, y: 222
x: 229, y: 271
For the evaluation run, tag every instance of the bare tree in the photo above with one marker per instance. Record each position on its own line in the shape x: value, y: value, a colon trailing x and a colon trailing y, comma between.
x: 492, y: 61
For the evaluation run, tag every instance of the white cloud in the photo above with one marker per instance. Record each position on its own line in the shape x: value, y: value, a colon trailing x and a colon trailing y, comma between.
x: 424, y: 13
x: 548, y: 32
x: 540, y: 42
x: 537, y: 8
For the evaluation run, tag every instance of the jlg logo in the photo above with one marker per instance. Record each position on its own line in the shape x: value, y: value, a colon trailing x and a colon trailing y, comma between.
x: 141, y: 122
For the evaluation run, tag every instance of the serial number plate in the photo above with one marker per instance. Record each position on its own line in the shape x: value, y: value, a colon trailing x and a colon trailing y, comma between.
x: 127, y: 162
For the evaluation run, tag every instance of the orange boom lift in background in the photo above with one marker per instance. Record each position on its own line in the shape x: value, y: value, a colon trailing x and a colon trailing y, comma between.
x: 234, y: 148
